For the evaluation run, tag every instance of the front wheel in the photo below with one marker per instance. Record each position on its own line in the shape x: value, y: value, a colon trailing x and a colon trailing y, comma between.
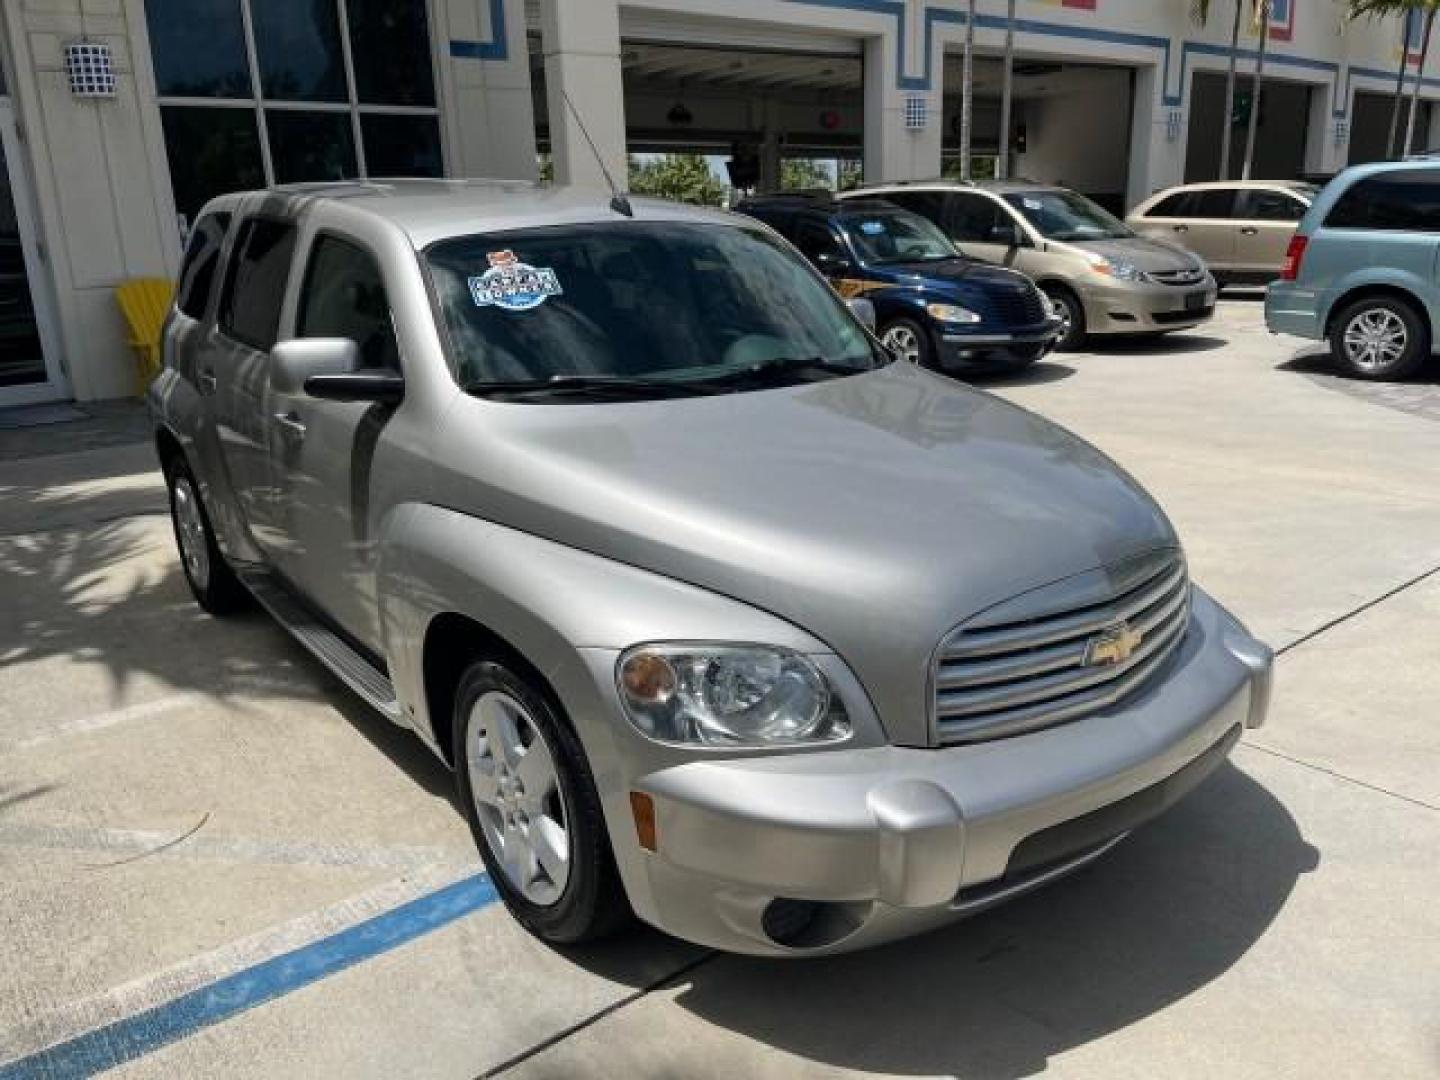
x: 531, y: 802
x: 908, y: 342
x: 1072, y: 317
x: 1380, y: 338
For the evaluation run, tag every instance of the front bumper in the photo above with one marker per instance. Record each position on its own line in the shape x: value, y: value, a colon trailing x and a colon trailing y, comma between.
x: 986, y: 350
x: 1146, y: 308
x: 832, y: 851
x: 1290, y: 309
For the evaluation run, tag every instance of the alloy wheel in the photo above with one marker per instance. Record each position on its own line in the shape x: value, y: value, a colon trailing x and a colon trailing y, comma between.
x: 190, y: 528
x: 516, y: 788
x: 903, y: 344
x: 1375, y: 339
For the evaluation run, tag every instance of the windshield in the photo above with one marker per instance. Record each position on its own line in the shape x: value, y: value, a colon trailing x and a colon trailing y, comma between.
x: 1067, y: 215
x: 640, y: 304
x: 897, y: 236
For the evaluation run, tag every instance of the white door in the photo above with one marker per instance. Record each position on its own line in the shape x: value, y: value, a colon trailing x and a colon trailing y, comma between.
x: 29, y: 363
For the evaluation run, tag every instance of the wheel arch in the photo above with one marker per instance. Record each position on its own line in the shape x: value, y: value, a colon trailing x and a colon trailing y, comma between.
x: 1377, y: 290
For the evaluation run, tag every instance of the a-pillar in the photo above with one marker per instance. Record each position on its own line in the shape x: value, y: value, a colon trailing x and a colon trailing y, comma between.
x: 581, y: 44
x: 1157, y: 138
x: 893, y: 152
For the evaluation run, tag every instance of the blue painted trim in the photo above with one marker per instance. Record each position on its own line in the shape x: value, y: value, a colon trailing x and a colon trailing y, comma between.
x: 497, y: 48
x: 137, y: 1035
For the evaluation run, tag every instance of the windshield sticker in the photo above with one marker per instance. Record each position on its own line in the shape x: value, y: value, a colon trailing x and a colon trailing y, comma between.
x: 512, y: 284
x: 1032, y: 204
x: 872, y: 228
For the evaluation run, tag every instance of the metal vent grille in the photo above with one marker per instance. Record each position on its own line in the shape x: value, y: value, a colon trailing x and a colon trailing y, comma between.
x: 1008, y: 678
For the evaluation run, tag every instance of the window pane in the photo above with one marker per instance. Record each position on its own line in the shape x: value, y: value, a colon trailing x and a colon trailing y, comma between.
x: 198, y: 47
x: 211, y: 151
x: 344, y: 297
x: 202, y: 256
x: 402, y: 145
x: 310, y: 145
x: 1215, y: 204
x: 298, y: 46
x: 1390, y: 201
x: 390, y: 45
x: 250, y: 306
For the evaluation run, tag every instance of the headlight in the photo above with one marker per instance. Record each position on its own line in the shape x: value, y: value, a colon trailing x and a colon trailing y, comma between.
x: 951, y: 313
x: 728, y: 695
x: 1116, y: 267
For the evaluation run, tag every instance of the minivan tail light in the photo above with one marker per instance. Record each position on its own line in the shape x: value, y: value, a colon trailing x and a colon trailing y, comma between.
x: 1294, y: 256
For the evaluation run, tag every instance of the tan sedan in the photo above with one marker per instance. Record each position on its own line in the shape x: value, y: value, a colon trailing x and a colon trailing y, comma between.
x: 1240, y: 228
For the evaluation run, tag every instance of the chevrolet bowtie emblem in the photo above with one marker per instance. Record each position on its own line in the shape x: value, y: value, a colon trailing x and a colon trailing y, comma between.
x: 1114, y: 646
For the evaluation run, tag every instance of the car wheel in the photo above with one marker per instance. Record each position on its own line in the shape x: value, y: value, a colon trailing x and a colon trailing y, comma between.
x: 1072, y: 317
x: 908, y: 342
x: 1380, y: 338
x: 212, y: 582
x: 531, y: 802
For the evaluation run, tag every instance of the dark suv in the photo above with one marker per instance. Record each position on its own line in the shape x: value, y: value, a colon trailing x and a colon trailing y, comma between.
x: 933, y: 306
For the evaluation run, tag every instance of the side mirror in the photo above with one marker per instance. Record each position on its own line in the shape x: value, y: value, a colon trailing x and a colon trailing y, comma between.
x: 329, y: 369
x: 864, y: 310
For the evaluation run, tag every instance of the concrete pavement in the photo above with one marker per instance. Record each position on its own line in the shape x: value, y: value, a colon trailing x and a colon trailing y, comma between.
x: 1280, y: 922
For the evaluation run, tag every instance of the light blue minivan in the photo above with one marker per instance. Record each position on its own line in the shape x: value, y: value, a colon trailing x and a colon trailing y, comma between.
x: 1361, y: 270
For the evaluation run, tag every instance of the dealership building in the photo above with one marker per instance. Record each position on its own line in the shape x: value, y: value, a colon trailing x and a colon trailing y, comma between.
x: 119, y: 118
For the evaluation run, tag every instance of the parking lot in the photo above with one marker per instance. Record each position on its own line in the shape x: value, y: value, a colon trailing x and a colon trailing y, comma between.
x: 215, y: 862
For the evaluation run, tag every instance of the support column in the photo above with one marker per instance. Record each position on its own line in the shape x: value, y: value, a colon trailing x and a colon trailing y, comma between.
x: 770, y: 147
x: 488, y: 107
x: 1324, y: 153
x: 893, y: 153
x: 1157, y: 139
x: 581, y: 43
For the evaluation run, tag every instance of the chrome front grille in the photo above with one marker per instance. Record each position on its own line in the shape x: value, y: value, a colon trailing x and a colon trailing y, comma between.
x: 1188, y: 276
x: 994, y: 679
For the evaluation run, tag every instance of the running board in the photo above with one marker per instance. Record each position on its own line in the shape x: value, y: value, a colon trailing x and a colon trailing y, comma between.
x: 351, y: 668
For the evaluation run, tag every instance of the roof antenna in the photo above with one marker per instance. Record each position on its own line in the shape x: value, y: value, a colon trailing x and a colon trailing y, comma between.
x: 619, y: 200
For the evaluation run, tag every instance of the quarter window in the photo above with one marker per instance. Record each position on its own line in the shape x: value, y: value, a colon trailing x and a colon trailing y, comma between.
x: 202, y: 258
x: 259, y: 269
x: 344, y: 297
x: 1178, y: 205
x: 333, y: 89
x: 1396, y: 201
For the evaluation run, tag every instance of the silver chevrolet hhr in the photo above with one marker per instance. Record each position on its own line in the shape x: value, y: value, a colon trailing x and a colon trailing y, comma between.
x: 719, y: 615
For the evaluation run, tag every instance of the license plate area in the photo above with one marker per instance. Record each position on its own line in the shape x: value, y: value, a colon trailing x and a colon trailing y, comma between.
x: 1197, y: 301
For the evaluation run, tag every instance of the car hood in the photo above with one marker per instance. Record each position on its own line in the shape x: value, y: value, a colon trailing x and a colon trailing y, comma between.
x: 1151, y: 256
x: 876, y: 512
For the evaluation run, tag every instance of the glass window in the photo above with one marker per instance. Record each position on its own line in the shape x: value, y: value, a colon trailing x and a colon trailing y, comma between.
x: 401, y: 145
x: 198, y: 48
x: 671, y: 300
x: 816, y: 241
x: 973, y: 219
x: 298, y: 46
x: 311, y: 145
x: 1270, y: 206
x: 1179, y: 205
x: 1213, y: 204
x: 250, y: 304
x: 1067, y: 216
x: 344, y: 297
x: 390, y: 43
x: 897, y: 236
x: 211, y: 151
x: 1394, y: 201
x: 202, y: 257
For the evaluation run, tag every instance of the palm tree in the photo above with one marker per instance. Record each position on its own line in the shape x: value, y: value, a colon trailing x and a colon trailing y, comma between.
x: 967, y: 93
x: 1403, y: 8
x: 1431, y: 8
x: 1262, y: 18
x: 1002, y: 164
x: 1200, y: 12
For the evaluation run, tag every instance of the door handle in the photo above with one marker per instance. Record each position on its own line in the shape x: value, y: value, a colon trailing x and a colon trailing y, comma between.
x: 291, y: 425
x: 206, y: 379
x: 1250, y: 230
x: 1182, y: 228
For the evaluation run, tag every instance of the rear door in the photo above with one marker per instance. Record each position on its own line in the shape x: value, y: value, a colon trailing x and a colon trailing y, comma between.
x: 233, y: 367
x: 323, y: 451
x: 1210, y: 229
x: 1265, y: 222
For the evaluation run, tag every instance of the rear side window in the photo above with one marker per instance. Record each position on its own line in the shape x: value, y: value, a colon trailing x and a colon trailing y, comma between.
x: 202, y: 259
x: 814, y: 240
x: 259, y: 269
x: 1407, y: 201
x: 1270, y: 206
x: 1215, y: 204
x: 344, y: 297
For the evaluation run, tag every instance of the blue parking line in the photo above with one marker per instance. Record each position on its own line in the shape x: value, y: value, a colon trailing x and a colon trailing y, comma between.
x: 137, y: 1035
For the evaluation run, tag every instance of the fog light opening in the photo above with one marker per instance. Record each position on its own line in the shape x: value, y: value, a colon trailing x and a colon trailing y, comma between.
x: 785, y: 921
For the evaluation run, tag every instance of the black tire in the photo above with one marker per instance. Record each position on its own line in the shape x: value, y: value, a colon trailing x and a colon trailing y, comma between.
x: 912, y: 339
x: 592, y: 903
x: 1073, y: 312
x: 1392, y: 320
x: 212, y: 582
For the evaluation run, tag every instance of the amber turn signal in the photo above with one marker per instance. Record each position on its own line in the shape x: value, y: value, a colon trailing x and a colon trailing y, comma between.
x: 643, y: 807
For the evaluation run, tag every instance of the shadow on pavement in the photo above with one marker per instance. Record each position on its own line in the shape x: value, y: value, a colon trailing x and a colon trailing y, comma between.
x: 1158, y: 344
x: 1046, y: 371
x: 1170, y: 910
